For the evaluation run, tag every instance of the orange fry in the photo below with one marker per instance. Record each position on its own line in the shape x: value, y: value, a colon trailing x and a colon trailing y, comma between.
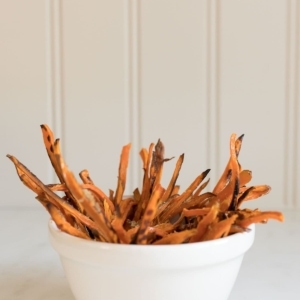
x: 122, y: 173
x: 201, y: 188
x: 49, y: 141
x: 261, y: 217
x: 173, y: 207
x: 51, y: 196
x: 62, y: 224
x: 254, y: 193
x: 219, y: 229
x: 156, y: 164
x: 245, y: 177
x: 146, y: 186
x: 235, y: 145
x: 204, y: 223
x: 149, y: 215
x: 98, y: 192
x: 195, y: 212
x: 172, y: 183
x: 85, y: 177
x: 176, y: 238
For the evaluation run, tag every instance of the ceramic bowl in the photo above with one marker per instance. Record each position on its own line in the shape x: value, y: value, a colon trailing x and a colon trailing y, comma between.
x: 195, y: 271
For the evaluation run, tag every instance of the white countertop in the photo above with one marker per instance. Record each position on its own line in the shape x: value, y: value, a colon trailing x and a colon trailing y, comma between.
x: 30, y: 269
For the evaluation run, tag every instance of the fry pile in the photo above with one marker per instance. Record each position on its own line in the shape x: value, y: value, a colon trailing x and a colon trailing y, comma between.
x: 154, y: 214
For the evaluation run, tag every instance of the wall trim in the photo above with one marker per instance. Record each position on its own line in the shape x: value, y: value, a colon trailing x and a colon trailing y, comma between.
x: 211, y: 15
x: 132, y: 97
x: 292, y: 106
x: 55, y: 104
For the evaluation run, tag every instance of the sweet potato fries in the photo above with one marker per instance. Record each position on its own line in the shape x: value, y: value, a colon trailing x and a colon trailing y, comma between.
x: 153, y: 214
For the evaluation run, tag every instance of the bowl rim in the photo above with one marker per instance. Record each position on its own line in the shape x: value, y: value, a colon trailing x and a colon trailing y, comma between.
x: 56, y: 232
x: 150, y: 257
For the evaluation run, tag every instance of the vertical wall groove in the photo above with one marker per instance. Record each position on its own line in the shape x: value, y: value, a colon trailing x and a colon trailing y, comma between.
x: 132, y: 88
x: 49, y: 69
x: 212, y: 95
x: 54, y: 71
x: 291, y: 159
x: 297, y: 106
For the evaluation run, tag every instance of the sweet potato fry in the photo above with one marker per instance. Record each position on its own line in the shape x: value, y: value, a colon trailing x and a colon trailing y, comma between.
x: 204, y: 223
x: 172, y: 208
x: 253, y: 193
x: 260, y: 217
x: 219, y: 229
x: 145, y: 195
x: 122, y: 173
x: 49, y: 141
x: 195, y: 212
x: 124, y: 238
x: 149, y: 215
x: 197, y: 201
x: 172, y: 182
x: 100, y: 194
x: 62, y: 223
x: 85, y: 177
x: 87, y: 202
x: 176, y: 238
x: 245, y: 177
x: 51, y: 196
x: 156, y: 164
x: 235, y: 145
x: 201, y: 188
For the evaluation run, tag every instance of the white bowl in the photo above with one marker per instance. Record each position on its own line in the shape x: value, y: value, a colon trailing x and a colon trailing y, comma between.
x: 195, y: 271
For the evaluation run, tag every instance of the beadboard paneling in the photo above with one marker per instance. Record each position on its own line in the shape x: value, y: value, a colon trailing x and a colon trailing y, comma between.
x: 23, y: 105
x: 105, y: 73
x: 252, y: 89
x: 94, y: 96
x: 172, y: 66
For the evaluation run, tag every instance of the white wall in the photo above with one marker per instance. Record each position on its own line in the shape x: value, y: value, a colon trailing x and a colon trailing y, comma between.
x: 104, y: 73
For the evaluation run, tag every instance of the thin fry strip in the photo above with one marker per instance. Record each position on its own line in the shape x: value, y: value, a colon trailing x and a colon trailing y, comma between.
x: 51, y: 196
x: 223, y: 179
x: 158, y: 231
x: 62, y: 224
x: 99, y: 193
x: 85, y: 177
x: 87, y: 201
x: 197, y: 202
x: 175, y: 190
x: 219, y: 229
x: 60, y: 163
x: 149, y: 215
x: 156, y: 164
x: 201, y: 188
x: 171, y: 210
x: 176, y: 238
x: 229, y: 194
x: 132, y: 232
x: 254, y: 193
x: 173, y: 180
x: 245, y: 177
x: 122, y: 173
x: 195, y: 212
x: 146, y: 186
x: 261, y: 217
x: 107, y: 211
x: 57, y: 187
x: 167, y: 227
x: 121, y: 232
x: 49, y: 141
x: 204, y: 223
